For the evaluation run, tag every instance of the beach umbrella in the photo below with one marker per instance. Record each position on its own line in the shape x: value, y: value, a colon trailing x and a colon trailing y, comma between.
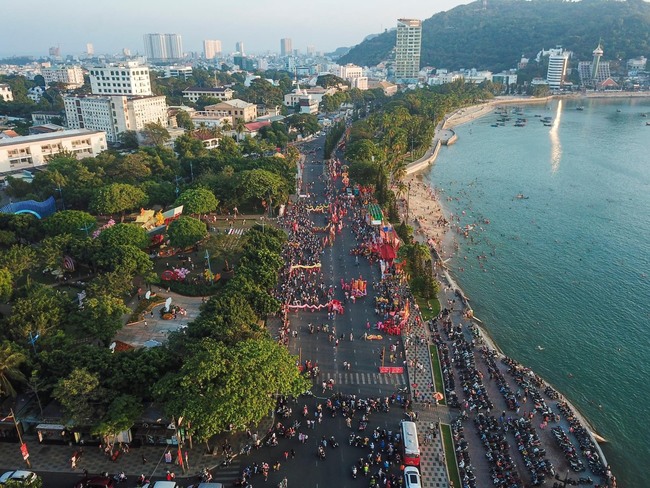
x: 438, y: 396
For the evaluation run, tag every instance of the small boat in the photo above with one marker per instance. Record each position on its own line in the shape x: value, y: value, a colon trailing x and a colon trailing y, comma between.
x: 618, y: 110
x: 521, y: 196
x: 647, y: 123
x: 644, y: 115
x: 548, y: 124
x: 580, y: 108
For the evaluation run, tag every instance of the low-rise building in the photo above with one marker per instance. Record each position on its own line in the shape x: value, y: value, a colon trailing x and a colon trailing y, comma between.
x: 209, y: 119
x: 114, y: 114
x: 35, y: 93
x: 6, y: 94
x: 193, y: 93
x: 237, y: 109
x: 27, y: 152
x: 40, y: 117
x: 180, y: 72
x: 70, y: 76
x: 387, y: 87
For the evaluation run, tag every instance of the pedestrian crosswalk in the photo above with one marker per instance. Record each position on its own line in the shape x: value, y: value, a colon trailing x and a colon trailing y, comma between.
x: 351, y: 378
x: 227, y: 474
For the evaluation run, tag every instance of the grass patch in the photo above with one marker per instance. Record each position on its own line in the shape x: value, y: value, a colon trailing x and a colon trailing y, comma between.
x: 450, y: 454
x: 429, y: 308
x: 437, y: 372
x: 143, y: 306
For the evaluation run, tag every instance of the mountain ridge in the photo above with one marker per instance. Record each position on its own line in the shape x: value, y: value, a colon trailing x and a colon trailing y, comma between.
x: 497, y: 37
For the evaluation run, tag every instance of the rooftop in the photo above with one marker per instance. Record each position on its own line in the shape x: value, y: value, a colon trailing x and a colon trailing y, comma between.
x: 49, y: 137
x: 206, y: 89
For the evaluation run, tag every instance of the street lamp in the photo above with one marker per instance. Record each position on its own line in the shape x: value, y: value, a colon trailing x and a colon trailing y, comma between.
x: 61, y: 194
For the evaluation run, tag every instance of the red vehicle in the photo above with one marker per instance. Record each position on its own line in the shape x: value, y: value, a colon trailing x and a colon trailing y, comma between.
x: 410, y: 446
x: 96, y: 482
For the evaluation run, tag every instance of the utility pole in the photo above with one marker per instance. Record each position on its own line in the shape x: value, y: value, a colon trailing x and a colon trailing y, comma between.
x: 23, y: 446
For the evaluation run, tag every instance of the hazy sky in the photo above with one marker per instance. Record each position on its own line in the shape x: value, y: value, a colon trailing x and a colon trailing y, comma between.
x: 112, y: 25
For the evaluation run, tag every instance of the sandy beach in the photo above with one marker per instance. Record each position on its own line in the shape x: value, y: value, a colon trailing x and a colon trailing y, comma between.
x: 422, y: 205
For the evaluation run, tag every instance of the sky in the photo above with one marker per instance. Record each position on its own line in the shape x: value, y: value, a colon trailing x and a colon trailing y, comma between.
x: 260, y: 24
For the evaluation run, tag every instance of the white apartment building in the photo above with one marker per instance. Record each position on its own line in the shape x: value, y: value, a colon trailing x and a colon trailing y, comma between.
x: 407, y: 50
x: 114, y: 114
x: 71, y: 76
x: 180, y: 72
x: 558, y: 62
x: 354, y: 75
x: 193, y: 93
x: 211, y: 49
x: 26, y: 152
x: 163, y: 47
x: 129, y: 79
x: 6, y: 94
x: 349, y: 71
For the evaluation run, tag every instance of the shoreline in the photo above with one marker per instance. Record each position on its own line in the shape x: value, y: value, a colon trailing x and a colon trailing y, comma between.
x: 425, y: 211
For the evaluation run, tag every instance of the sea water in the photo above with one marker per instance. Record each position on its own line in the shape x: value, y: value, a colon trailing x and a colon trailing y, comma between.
x: 557, y: 259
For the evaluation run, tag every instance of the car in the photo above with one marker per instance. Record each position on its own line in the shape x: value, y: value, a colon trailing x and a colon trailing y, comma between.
x: 207, y: 485
x: 412, y: 477
x: 26, y: 477
x: 96, y: 482
x: 162, y: 484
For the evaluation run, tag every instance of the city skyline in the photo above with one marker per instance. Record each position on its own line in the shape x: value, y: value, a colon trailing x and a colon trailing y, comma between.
x: 260, y: 25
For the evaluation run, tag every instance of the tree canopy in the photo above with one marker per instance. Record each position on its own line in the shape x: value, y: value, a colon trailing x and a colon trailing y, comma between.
x: 186, y: 231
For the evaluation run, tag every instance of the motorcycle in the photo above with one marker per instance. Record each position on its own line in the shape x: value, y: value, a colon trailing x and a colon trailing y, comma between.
x: 120, y: 477
x: 354, y: 472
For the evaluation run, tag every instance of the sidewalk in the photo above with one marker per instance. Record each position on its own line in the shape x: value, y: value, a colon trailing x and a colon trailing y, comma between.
x: 56, y: 458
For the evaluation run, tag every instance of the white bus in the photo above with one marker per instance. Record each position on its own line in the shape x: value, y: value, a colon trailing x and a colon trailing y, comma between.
x: 410, y: 446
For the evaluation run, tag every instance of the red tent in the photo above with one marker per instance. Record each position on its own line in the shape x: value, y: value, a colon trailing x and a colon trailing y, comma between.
x: 387, y: 252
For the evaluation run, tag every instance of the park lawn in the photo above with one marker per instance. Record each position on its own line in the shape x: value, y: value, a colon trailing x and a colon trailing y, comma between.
x: 450, y: 455
x: 437, y: 372
x: 429, y: 309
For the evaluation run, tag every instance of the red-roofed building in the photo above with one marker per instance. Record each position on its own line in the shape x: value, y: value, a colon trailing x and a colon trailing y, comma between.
x: 253, y: 128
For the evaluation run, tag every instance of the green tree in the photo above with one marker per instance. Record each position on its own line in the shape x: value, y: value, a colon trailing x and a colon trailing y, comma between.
x: 306, y: 124
x: 186, y: 231
x: 74, y: 222
x: 124, y: 234
x: 53, y: 249
x: 18, y: 259
x: 121, y: 414
x: 129, y: 139
x: 101, y: 317
x: 126, y: 259
x: 258, y: 185
x: 11, y: 359
x: 219, y: 386
x: 227, y: 318
x: 81, y: 396
x: 197, y: 201
x: 6, y: 284
x: 117, y: 198
x: 155, y: 134
x: 41, y: 311
x: 184, y: 120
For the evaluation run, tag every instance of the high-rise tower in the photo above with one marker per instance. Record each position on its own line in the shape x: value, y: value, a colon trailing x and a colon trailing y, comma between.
x: 595, y: 65
x: 286, y: 48
x: 407, y: 50
x: 163, y: 47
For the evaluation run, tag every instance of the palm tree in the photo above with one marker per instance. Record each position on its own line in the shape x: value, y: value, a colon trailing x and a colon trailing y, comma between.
x: 240, y: 126
x: 10, y: 360
x: 226, y: 125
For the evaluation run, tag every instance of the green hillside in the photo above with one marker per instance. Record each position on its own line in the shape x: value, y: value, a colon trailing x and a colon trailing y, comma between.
x: 495, y: 38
